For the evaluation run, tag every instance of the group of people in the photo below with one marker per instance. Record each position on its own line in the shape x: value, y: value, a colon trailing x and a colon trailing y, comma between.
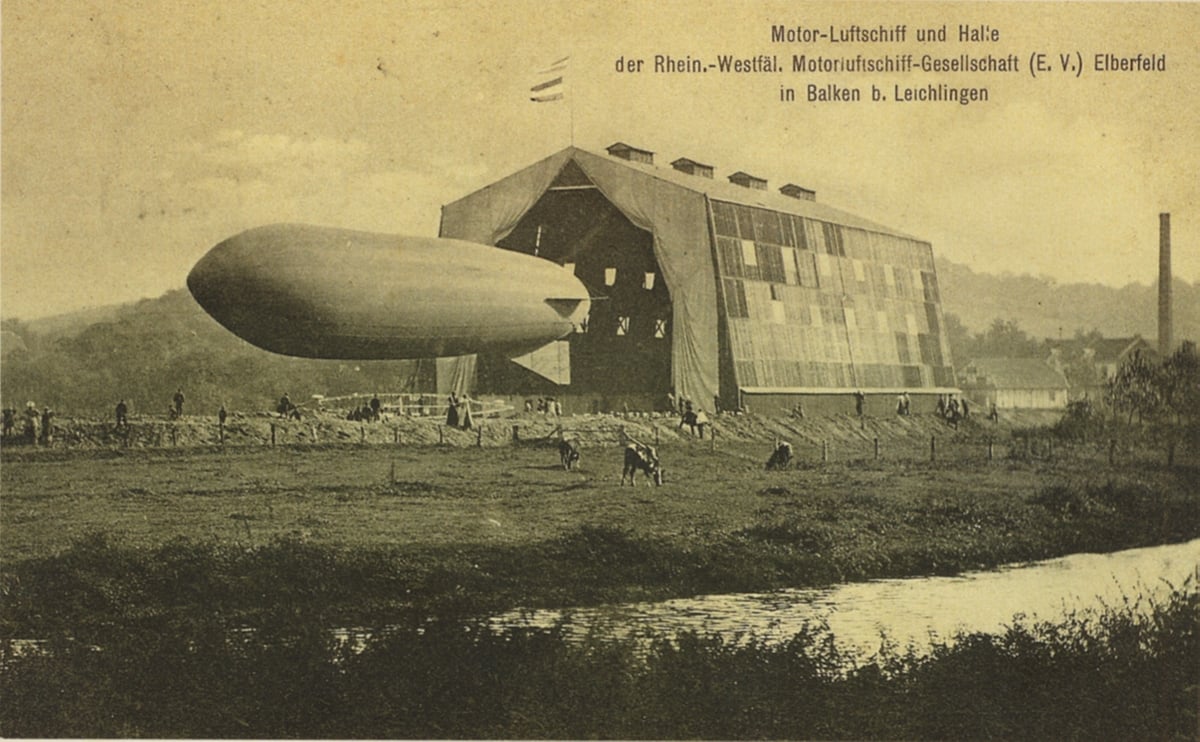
x: 694, y: 418
x: 458, y: 411
x: 37, y: 428
x: 369, y: 412
x: 952, y: 408
x: 545, y: 406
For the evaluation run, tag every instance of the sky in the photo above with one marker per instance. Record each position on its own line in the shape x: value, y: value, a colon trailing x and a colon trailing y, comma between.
x: 136, y: 135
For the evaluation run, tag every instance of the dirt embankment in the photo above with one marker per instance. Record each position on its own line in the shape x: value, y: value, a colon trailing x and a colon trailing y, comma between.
x: 264, y: 429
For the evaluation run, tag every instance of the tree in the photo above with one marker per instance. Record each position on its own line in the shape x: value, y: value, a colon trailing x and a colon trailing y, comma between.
x: 1180, y: 384
x: 1005, y: 339
x: 1137, y: 388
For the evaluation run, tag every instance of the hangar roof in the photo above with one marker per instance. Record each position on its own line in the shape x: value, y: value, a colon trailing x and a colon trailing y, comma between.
x: 725, y: 191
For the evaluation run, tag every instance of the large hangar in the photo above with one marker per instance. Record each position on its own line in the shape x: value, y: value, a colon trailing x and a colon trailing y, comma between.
x: 722, y: 291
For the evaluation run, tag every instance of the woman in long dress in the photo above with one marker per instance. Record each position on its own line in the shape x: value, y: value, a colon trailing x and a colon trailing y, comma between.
x: 465, y: 417
x: 452, y: 411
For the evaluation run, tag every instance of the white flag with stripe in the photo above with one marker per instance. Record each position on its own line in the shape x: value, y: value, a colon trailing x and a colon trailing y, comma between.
x: 550, y: 86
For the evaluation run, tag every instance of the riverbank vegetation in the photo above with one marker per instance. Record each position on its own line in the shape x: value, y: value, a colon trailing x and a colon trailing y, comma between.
x: 1127, y: 672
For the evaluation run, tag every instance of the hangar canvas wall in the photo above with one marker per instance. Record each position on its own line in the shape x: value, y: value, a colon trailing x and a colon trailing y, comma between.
x: 718, y: 290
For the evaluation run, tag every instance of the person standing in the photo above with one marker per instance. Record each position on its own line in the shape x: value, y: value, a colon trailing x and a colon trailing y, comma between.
x: 375, y: 406
x: 122, y: 414
x: 452, y: 411
x: 859, y: 400
x: 465, y: 413
x: 178, y: 401
x: 31, y: 423
x: 47, y: 429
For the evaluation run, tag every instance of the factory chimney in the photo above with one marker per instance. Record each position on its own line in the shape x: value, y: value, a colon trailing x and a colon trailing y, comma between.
x: 1164, y: 285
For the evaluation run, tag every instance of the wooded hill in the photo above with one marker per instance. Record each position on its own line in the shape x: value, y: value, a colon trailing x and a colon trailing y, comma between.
x: 151, y: 348
x: 1045, y: 308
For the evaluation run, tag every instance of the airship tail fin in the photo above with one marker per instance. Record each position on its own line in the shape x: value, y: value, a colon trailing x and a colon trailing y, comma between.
x: 551, y: 361
x: 565, y: 307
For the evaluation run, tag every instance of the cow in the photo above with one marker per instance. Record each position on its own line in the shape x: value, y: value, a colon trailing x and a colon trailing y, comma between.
x: 638, y: 456
x: 781, y: 457
x: 568, y: 453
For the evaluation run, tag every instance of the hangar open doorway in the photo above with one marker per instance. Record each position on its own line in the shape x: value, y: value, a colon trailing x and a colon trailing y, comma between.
x: 622, y: 354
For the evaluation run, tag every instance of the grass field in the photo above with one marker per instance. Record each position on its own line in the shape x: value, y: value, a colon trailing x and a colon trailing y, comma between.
x: 514, y: 527
x: 140, y: 569
x: 429, y: 497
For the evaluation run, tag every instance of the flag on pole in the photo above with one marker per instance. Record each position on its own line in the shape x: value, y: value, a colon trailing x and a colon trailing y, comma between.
x: 550, y: 86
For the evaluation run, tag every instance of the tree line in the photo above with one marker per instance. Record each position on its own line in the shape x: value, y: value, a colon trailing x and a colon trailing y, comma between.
x: 155, y: 347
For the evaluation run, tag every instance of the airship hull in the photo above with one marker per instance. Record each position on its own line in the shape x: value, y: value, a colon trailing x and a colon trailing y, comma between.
x: 320, y: 292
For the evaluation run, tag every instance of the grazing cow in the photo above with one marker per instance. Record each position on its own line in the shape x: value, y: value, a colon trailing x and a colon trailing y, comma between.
x: 781, y: 457
x: 568, y: 453
x: 638, y: 456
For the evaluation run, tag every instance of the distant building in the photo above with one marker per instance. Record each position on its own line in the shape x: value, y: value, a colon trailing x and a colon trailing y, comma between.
x: 1014, y: 383
x: 1101, y: 358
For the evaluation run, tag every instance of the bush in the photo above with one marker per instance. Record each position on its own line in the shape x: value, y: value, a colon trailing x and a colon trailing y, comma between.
x: 1126, y: 672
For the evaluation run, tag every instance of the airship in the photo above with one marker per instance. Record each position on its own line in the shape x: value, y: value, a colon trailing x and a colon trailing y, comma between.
x: 322, y: 292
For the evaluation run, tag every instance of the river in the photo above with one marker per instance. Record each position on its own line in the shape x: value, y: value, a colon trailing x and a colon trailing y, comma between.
x: 911, y: 612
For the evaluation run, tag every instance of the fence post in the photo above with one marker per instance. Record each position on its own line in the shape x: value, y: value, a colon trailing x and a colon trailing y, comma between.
x: 933, y: 448
x: 362, y: 433
x: 272, y: 435
x: 516, y: 432
x: 221, y: 432
x: 1112, y: 451
x: 877, y: 449
x: 712, y: 439
x: 441, y: 435
x: 174, y: 435
x: 313, y: 430
x: 479, y: 436
x: 656, y: 435
x: 989, y: 448
x: 824, y: 451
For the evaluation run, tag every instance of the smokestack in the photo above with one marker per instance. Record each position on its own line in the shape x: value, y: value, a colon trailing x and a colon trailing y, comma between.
x: 1164, y: 285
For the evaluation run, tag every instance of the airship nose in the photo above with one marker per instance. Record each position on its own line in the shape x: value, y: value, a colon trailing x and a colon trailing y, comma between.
x: 236, y: 284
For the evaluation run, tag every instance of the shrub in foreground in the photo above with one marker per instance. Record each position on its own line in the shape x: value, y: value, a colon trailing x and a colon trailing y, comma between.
x: 1128, y: 672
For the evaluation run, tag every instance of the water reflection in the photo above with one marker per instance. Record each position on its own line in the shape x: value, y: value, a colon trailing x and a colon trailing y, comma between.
x: 909, y: 611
